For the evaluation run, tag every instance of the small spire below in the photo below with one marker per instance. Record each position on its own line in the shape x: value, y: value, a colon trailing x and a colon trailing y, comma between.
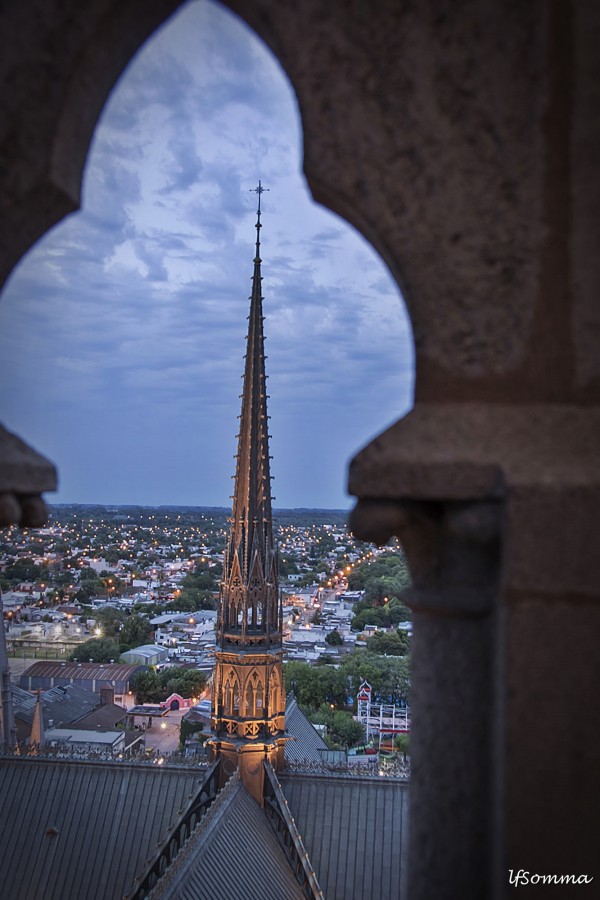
x: 37, y: 738
x: 8, y: 734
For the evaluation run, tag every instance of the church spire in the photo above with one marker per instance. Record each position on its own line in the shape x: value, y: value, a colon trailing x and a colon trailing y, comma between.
x: 248, y: 697
x: 249, y: 611
x: 37, y: 739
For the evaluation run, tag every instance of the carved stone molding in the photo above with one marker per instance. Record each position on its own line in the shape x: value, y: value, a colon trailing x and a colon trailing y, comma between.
x: 452, y: 548
x: 24, y: 475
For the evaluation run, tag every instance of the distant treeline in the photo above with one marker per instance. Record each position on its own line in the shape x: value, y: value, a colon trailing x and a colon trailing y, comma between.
x: 300, y: 516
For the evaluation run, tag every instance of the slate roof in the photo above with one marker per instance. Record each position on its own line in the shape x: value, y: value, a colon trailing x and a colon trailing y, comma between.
x: 306, y: 744
x: 232, y: 853
x: 104, y: 716
x: 105, y: 821
x: 62, y: 705
x: 355, y: 830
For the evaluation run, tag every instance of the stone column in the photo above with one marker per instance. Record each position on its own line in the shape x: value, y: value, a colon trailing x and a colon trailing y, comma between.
x: 506, y: 672
x: 453, y: 552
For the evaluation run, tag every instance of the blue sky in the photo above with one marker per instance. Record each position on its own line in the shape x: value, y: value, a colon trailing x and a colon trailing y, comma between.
x: 133, y: 310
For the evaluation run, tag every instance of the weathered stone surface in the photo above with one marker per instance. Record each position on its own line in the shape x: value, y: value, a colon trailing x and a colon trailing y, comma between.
x: 550, y: 735
x: 462, y: 141
x: 22, y: 469
x: 24, y: 475
x: 474, y: 450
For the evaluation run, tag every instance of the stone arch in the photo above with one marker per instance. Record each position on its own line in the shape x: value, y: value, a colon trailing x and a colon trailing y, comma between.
x: 253, y: 691
x: 473, y: 160
x: 85, y: 81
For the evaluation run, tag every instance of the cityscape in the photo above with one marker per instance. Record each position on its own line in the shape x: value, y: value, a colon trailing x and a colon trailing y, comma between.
x: 94, y: 580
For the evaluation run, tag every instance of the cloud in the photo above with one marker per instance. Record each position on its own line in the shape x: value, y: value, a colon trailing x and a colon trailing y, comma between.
x: 122, y: 333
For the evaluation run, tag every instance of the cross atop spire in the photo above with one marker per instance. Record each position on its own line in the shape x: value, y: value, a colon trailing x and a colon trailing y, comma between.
x: 259, y: 190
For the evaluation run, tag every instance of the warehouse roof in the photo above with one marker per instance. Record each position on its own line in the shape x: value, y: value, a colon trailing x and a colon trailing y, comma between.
x: 73, y: 670
x: 148, y: 651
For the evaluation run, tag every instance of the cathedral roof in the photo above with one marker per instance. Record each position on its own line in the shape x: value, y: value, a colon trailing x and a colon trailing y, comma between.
x: 83, y: 829
x: 306, y: 745
x: 234, y: 852
x: 355, y: 830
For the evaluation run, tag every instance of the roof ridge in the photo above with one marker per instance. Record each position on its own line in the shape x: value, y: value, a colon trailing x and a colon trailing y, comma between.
x: 290, y: 824
x: 209, y: 819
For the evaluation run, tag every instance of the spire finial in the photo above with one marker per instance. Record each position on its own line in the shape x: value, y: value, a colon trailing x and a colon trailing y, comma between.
x: 259, y: 190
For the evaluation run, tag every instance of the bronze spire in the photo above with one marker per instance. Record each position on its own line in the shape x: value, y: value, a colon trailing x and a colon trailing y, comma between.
x: 249, y: 609
x: 248, y: 697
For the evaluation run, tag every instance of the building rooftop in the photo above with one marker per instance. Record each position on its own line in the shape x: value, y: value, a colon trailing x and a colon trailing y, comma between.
x: 355, y: 830
x: 75, y: 735
x: 234, y: 845
x: 306, y: 745
x: 93, y: 671
x: 63, y: 705
x: 78, y: 829
x: 146, y: 651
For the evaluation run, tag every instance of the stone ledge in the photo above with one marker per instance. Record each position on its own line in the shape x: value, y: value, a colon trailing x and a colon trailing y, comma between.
x: 24, y: 475
x: 468, y: 451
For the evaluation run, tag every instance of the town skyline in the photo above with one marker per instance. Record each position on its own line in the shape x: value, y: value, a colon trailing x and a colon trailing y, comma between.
x: 133, y: 311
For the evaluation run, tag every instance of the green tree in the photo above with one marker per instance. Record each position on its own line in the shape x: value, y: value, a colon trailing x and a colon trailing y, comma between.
x: 187, y: 729
x: 110, y: 621
x: 315, y: 685
x: 346, y: 730
x: 395, y: 643
x: 384, y: 576
x: 398, y: 611
x: 388, y: 676
x: 193, y: 599
x: 342, y: 728
x: 334, y: 638
x: 401, y: 743
x: 26, y: 570
x: 111, y: 585
x: 155, y: 687
x: 99, y: 650
x: 135, y: 631
x: 369, y: 615
x: 146, y: 686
